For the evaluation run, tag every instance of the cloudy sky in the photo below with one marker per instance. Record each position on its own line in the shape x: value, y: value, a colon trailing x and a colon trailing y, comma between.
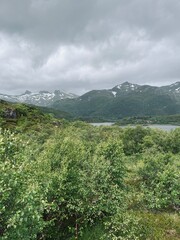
x: 79, y: 45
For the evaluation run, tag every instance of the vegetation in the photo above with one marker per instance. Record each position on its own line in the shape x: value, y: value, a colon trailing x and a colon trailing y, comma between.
x: 55, y: 113
x: 70, y: 180
x: 23, y: 117
x: 166, y: 119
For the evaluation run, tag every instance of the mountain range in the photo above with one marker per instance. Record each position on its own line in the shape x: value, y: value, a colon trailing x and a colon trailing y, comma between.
x: 42, y: 98
x: 123, y: 100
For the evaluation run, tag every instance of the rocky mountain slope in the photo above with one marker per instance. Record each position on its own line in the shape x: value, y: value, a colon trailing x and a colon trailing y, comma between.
x: 42, y: 98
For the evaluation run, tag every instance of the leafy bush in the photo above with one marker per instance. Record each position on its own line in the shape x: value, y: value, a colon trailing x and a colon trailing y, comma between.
x: 126, y: 226
x: 174, y: 141
x: 160, y: 181
x: 61, y: 182
x: 21, y: 201
x: 133, y: 139
x: 85, y: 182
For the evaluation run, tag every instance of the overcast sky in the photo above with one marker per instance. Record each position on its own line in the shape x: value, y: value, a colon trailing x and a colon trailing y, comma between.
x: 79, y: 45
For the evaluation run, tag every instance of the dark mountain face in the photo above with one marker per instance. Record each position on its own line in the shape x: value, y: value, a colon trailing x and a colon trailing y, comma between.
x: 124, y: 100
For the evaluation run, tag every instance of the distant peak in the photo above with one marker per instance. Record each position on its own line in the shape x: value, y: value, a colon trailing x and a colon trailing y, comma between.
x: 57, y: 92
x: 127, y: 85
x: 27, y: 92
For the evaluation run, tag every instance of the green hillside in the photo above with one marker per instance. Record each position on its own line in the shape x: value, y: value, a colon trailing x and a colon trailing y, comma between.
x: 126, y: 100
x: 25, y: 117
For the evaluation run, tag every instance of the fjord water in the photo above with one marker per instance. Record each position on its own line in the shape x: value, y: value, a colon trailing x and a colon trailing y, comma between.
x: 164, y: 127
x: 102, y: 124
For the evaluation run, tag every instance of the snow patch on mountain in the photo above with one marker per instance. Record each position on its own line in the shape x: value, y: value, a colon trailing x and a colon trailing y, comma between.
x: 42, y: 98
x: 114, y: 93
x: 126, y: 86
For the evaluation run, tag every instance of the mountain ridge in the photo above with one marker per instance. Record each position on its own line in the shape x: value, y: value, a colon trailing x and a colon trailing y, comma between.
x: 124, y: 100
x: 42, y: 98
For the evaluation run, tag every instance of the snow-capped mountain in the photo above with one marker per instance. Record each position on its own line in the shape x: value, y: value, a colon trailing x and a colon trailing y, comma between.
x: 42, y: 98
x: 124, y: 100
x: 126, y: 87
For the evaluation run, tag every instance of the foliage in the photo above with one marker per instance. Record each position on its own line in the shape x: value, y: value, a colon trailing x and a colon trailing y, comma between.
x: 126, y: 226
x: 21, y: 117
x: 160, y: 181
x: 88, y: 186
x: 133, y: 139
x: 164, y: 119
x: 174, y: 140
x: 75, y: 181
x: 21, y: 202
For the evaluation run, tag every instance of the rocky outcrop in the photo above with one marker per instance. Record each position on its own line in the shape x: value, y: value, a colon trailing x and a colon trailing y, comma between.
x: 10, y: 113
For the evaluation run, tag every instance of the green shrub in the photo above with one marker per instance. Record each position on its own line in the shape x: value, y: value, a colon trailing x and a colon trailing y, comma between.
x: 160, y: 182
x: 85, y: 184
x: 126, y: 226
x: 22, y: 199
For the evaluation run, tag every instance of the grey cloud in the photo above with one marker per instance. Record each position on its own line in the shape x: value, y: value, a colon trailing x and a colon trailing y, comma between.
x: 45, y: 19
x: 82, y: 45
